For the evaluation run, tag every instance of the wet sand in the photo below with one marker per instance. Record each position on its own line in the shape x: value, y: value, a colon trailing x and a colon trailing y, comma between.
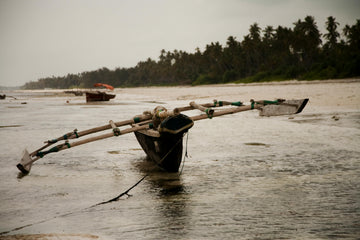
x: 297, y: 177
x: 49, y: 237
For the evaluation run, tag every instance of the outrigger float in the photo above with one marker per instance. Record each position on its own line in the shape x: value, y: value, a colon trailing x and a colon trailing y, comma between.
x: 160, y: 132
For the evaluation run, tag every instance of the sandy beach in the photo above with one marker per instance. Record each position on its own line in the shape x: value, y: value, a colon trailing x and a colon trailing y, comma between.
x: 273, y: 178
x: 335, y: 94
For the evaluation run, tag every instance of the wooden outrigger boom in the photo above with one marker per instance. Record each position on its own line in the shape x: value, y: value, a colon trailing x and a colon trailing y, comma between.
x: 160, y: 131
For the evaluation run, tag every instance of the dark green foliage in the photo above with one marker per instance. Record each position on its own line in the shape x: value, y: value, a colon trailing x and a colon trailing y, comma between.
x: 205, y: 79
x: 229, y: 76
x: 272, y: 54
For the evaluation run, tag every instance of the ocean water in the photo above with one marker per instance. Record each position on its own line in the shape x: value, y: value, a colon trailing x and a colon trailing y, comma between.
x: 244, y: 177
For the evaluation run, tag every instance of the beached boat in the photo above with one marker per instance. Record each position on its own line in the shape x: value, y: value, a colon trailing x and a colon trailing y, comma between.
x: 94, y: 96
x: 2, y: 96
x: 160, y: 132
x: 164, y: 146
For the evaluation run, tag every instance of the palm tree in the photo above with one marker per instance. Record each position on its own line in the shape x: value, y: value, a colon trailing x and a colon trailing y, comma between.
x: 307, y: 40
x: 268, y: 34
x: 255, y: 31
x: 353, y: 34
x: 332, y: 35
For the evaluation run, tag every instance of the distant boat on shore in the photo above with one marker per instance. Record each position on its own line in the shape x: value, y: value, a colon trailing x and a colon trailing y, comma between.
x: 95, y: 96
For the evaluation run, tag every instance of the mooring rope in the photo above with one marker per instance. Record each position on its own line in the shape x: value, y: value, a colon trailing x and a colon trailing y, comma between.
x: 101, y: 203
x: 121, y: 194
x: 138, y: 182
x: 186, y: 153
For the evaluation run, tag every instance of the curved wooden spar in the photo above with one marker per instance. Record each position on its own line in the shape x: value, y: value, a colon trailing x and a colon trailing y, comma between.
x: 267, y: 108
x: 137, y: 119
x: 27, y: 160
x: 227, y: 111
x: 145, y: 121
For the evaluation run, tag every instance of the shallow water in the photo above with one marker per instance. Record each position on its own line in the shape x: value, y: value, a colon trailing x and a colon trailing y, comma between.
x: 246, y: 177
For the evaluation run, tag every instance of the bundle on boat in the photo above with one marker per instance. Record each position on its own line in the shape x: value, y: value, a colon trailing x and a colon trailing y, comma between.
x: 160, y: 131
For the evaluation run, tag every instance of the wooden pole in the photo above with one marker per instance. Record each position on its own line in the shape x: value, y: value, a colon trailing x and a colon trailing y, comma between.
x: 227, y: 111
x: 136, y: 119
x: 208, y: 111
x: 67, y: 145
x: 106, y: 135
x: 141, y: 118
x: 76, y: 134
x: 209, y: 105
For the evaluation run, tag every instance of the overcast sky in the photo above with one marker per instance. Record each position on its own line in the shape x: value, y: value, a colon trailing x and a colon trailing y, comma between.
x: 42, y: 38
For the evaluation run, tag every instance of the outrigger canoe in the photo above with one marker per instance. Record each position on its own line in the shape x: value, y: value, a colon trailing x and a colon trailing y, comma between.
x: 160, y: 131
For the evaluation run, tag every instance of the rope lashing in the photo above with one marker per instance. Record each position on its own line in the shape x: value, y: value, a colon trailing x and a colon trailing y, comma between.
x: 157, y: 114
x: 76, y: 134
x: 237, y: 104
x: 53, y: 149
x: 65, y: 137
x: 267, y: 102
x: 136, y: 119
x: 209, y: 112
x: 221, y: 103
x: 218, y: 103
x: 116, y: 131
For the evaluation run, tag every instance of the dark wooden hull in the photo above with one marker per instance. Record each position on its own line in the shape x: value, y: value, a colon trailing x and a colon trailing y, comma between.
x: 165, y: 151
x: 165, y: 145
x: 98, y: 96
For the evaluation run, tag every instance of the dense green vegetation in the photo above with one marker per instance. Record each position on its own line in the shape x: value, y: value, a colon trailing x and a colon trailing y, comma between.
x: 281, y: 53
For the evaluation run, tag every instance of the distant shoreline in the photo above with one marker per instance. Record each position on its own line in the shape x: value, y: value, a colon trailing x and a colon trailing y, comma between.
x: 296, y: 82
x: 287, y: 82
x: 334, y: 94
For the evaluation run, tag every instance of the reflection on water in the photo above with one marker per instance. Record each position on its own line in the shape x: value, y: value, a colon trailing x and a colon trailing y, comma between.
x: 246, y: 177
x: 164, y: 182
x: 172, y: 212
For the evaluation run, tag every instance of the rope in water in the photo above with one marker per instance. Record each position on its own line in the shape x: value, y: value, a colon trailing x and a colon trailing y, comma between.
x: 138, y: 182
x: 111, y: 200
x: 185, y: 155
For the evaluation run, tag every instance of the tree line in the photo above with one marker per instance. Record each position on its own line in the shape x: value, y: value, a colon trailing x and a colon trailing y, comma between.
x: 268, y: 54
